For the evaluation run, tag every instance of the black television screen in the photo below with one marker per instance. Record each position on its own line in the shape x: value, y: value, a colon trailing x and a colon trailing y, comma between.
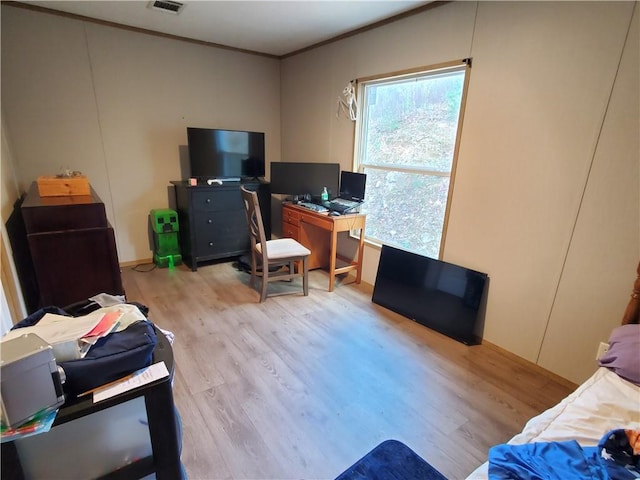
x: 437, y: 294
x: 225, y: 153
x: 299, y: 178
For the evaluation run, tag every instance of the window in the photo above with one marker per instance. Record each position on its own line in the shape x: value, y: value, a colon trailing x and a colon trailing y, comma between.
x: 406, y: 143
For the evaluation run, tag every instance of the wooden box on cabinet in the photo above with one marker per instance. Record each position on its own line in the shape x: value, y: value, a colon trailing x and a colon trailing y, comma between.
x: 63, y: 186
x: 212, y: 220
x: 72, y: 246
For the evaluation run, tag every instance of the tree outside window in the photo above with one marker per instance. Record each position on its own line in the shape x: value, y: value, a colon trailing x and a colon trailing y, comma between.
x: 406, y: 144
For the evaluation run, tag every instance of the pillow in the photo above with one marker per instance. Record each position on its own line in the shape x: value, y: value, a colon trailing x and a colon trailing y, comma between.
x: 623, y: 356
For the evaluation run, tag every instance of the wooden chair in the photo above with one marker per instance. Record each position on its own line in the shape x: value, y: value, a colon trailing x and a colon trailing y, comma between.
x: 282, y: 252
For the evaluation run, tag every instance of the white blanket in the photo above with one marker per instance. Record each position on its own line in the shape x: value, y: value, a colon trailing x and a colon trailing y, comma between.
x: 602, y: 403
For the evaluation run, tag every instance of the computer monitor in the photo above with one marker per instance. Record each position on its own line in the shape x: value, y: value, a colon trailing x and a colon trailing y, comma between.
x: 352, y: 185
x: 299, y: 178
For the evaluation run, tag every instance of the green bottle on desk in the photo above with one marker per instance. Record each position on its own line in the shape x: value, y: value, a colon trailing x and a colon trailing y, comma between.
x: 325, y: 195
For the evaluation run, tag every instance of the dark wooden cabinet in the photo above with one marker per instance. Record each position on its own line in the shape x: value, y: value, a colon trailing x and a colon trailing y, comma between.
x: 212, y: 220
x: 72, y: 246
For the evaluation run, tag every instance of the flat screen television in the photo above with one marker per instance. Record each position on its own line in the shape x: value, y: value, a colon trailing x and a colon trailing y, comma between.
x: 300, y: 178
x: 225, y: 154
x: 439, y: 295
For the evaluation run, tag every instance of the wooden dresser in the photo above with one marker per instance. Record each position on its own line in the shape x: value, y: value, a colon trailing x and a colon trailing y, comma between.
x: 213, y: 224
x: 72, y: 246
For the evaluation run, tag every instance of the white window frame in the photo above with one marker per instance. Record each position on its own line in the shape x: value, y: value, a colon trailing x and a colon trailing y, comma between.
x: 358, y: 166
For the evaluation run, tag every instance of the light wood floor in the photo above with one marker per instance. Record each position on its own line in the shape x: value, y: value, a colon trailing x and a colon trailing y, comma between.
x: 302, y: 387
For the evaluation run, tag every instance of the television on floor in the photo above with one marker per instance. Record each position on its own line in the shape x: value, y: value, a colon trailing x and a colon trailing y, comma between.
x: 225, y: 154
x: 439, y: 295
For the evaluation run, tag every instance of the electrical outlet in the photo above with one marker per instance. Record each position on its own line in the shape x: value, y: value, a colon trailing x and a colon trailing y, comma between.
x: 602, y: 349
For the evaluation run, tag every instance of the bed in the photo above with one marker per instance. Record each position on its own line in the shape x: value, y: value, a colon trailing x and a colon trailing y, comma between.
x: 609, y: 401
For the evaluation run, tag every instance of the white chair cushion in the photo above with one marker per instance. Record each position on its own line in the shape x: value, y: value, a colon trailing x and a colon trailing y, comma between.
x: 283, y: 248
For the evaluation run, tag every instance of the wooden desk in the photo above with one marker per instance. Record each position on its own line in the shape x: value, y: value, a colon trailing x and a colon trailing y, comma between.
x: 319, y: 233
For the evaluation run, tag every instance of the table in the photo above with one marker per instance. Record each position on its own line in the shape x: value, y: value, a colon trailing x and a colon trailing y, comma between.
x: 319, y: 233
x: 164, y: 431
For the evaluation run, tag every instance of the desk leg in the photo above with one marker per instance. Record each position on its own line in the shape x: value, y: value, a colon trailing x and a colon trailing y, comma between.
x: 163, y: 430
x: 360, y: 254
x: 332, y: 259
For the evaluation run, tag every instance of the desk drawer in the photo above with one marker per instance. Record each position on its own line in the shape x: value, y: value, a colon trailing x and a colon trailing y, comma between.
x: 290, y: 230
x: 322, y: 221
x: 291, y: 216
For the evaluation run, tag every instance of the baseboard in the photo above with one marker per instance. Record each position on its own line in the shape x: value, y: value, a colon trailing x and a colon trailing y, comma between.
x: 136, y: 262
x: 543, y: 371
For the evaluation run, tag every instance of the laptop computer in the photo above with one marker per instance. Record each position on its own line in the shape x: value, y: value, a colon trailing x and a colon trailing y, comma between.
x: 352, y: 187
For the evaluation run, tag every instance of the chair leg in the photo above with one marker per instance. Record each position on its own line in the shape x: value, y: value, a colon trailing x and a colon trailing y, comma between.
x: 265, y: 282
x: 292, y: 270
x: 252, y: 280
x: 305, y: 276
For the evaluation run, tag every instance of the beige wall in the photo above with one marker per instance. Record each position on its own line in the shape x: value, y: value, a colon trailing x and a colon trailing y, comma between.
x: 546, y: 198
x: 9, y: 192
x: 546, y: 195
x: 115, y: 105
x: 606, y: 229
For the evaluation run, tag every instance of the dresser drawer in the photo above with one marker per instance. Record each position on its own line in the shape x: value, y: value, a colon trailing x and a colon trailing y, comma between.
x: 222, y: 199
x: 219, y: 232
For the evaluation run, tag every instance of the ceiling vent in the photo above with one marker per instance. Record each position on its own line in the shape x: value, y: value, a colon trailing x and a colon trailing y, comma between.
x: 167, y: 6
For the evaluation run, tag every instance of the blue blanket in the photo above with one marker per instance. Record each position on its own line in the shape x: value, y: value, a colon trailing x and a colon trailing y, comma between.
x: 617, y: 457
x: 391, y: 460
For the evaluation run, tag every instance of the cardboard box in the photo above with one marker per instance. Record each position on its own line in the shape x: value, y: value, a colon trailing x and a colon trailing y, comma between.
x: 63, y: 186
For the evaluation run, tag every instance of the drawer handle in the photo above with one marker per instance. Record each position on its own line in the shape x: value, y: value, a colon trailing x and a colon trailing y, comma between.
x: 208, y: 200
x: 211, y: 244
x: 209, y: 221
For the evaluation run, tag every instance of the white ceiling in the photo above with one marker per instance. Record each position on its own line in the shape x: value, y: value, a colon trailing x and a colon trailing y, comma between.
x: 271, y: 27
